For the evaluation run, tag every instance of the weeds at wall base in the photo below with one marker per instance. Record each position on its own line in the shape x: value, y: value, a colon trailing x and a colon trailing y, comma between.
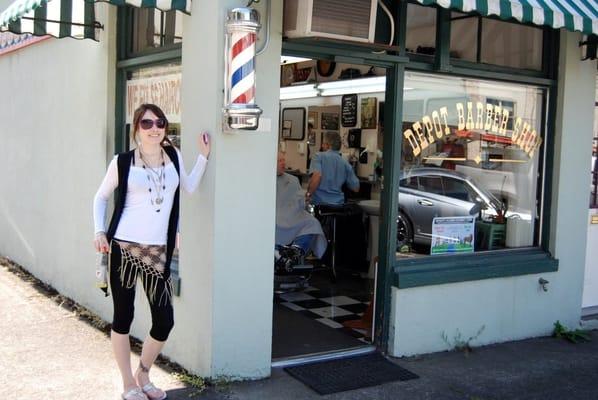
x: 198, y: 383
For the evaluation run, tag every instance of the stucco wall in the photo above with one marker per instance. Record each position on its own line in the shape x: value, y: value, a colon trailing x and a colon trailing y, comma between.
x: 516, y: 308
x: 57, y: 113
x: 227, y: 231
x: 58, y: 137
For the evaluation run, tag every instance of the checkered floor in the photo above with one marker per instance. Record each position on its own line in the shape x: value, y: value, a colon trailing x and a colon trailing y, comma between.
x: 326, y: 308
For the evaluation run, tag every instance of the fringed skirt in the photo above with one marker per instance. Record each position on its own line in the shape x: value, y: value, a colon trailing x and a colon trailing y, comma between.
x: 148, y: 263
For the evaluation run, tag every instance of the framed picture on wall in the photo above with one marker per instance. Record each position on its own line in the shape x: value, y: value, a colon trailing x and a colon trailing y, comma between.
x: 293, y: 123
x: 330, y: 121
x: 368, y: 113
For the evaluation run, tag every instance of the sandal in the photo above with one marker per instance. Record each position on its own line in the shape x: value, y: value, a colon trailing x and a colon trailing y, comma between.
x: 149, y: 390
x: 153, y: 393
x: 134, y: 394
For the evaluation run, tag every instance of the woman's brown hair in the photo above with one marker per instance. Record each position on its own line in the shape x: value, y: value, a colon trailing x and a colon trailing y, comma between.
x: 138, y: 115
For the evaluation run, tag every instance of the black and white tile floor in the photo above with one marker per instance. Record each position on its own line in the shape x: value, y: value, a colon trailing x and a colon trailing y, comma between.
x: 327, y: 308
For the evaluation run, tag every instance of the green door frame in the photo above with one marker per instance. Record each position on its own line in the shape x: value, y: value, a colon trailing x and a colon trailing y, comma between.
x: 395, y: 71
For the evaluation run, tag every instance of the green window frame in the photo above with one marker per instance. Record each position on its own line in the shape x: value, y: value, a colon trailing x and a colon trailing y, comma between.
x: 459, y: 268
x: 493, y: 264
x: 128, y: 62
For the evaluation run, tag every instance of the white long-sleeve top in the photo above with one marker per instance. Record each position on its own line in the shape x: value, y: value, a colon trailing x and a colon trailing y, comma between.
x: 140, y: 222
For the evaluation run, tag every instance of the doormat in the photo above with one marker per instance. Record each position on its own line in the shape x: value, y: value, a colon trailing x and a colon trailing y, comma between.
x: 349, y: 373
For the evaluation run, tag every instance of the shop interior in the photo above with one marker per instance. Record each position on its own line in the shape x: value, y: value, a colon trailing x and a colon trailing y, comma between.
x: 467, y: 189
x: 328, y: 307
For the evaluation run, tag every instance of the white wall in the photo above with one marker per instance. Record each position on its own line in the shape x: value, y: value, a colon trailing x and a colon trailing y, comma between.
x: 227, y: 231
x: 516, y: 308
x: 58, y: 118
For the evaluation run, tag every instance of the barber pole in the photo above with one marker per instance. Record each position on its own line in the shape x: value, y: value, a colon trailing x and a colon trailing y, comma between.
x: 240, y: 109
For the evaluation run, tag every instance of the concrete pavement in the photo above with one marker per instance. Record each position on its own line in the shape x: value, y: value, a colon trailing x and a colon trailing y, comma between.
x: 48, y: 352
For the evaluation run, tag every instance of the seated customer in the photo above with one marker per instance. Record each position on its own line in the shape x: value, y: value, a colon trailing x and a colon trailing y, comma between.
x: 295, y: 227
x: 329, y: 171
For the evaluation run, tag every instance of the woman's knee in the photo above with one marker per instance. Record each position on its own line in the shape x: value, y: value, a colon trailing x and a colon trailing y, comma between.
x: 122, y: 319
x: 162, y: 326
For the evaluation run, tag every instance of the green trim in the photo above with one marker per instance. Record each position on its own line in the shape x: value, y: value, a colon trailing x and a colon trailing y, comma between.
x: 401, y: 29
x: 343, y: 52
x: 90, y: 17
x: 66, y: 15
x: 440, y: 270
x: 389, y: 201
x: 549, y: 167
x: 39, y: 27
x: 120, y: 139
x: 175, y: 54
x: 490, y: 72
x: 442, y: 62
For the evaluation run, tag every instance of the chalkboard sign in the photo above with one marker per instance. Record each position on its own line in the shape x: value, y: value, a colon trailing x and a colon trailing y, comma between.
x: 349, y: 110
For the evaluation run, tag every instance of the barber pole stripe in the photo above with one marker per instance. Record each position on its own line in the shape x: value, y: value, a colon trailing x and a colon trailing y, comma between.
x: 243, y: 69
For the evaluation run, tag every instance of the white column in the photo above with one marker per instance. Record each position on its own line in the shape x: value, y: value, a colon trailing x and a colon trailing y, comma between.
x: 574, y: 125
x: 224, y: 313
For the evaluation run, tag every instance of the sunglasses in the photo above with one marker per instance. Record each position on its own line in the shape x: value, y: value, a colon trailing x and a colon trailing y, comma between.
x: 149, y: 123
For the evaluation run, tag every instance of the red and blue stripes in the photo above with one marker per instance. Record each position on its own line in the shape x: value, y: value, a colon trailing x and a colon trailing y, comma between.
x: 242, y: 69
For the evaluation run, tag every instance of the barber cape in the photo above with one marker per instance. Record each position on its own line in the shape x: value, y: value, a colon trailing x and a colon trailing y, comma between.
x: 291, y: 218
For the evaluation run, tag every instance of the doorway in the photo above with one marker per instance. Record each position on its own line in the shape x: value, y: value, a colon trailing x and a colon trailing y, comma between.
x: 327, y: 307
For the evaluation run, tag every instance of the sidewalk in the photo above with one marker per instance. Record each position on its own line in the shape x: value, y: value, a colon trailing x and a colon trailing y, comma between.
x: 47, y: 352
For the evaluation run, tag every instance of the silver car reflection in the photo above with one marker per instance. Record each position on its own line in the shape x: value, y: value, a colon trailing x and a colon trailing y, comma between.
x: 426, y: 192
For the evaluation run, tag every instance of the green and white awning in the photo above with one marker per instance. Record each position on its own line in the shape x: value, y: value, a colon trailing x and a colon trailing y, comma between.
x: 573, y: 15
x: 69, y: 18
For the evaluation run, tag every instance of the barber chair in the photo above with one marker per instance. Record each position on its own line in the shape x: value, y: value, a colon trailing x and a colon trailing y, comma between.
x: 290, y: 270
x: 344, y: 230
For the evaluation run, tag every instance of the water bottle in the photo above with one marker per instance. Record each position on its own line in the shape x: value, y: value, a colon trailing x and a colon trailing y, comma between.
x: 102, y: 270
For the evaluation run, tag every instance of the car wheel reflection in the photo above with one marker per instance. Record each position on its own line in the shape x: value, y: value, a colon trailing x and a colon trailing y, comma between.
x: 404, y: 231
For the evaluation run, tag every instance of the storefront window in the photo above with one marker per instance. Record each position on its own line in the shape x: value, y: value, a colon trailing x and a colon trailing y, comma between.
x: 421, y: 29
x: 464, y: 36
x: 490, y: 41
x: 153, y: 28
x: 470, y: 164
x: 160, y: 85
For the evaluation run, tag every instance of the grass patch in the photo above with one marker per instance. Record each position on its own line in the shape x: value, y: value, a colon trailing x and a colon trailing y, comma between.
x: 572, y: 336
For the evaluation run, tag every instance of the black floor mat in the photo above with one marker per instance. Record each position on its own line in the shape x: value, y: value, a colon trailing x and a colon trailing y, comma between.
x: 349, y: 373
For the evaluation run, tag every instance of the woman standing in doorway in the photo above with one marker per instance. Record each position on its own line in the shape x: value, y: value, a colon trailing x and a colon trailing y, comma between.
x: 141, y: 238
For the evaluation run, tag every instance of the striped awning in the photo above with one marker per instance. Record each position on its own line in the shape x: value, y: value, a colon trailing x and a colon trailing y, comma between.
x: 573, y: 15
x: 69, y: 18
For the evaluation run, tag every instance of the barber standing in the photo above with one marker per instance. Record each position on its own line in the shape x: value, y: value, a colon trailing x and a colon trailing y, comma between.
x: 329, y: 171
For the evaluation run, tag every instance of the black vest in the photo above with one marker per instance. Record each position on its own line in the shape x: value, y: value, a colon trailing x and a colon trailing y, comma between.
x: 124, y: 162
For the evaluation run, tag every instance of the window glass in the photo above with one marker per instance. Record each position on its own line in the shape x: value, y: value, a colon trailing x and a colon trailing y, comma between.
x: 160, y: 85
x: 458, y: 189
x: 490, y: 41
x: 421, y: 29
x: 511, y: 45
x: 430, y: 184
x: 464, y: 36
x: 153, y: 28
x: 409, y: 183
x: 475, y: 151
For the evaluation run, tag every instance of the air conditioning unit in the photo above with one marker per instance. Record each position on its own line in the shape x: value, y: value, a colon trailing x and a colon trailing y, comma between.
x: 337, y: 19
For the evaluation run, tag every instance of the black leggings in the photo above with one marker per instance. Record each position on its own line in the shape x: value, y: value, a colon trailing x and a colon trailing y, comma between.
x: 124, y: 307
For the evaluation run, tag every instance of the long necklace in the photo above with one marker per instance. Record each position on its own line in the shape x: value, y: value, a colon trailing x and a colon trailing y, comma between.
x: 156, y: 177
